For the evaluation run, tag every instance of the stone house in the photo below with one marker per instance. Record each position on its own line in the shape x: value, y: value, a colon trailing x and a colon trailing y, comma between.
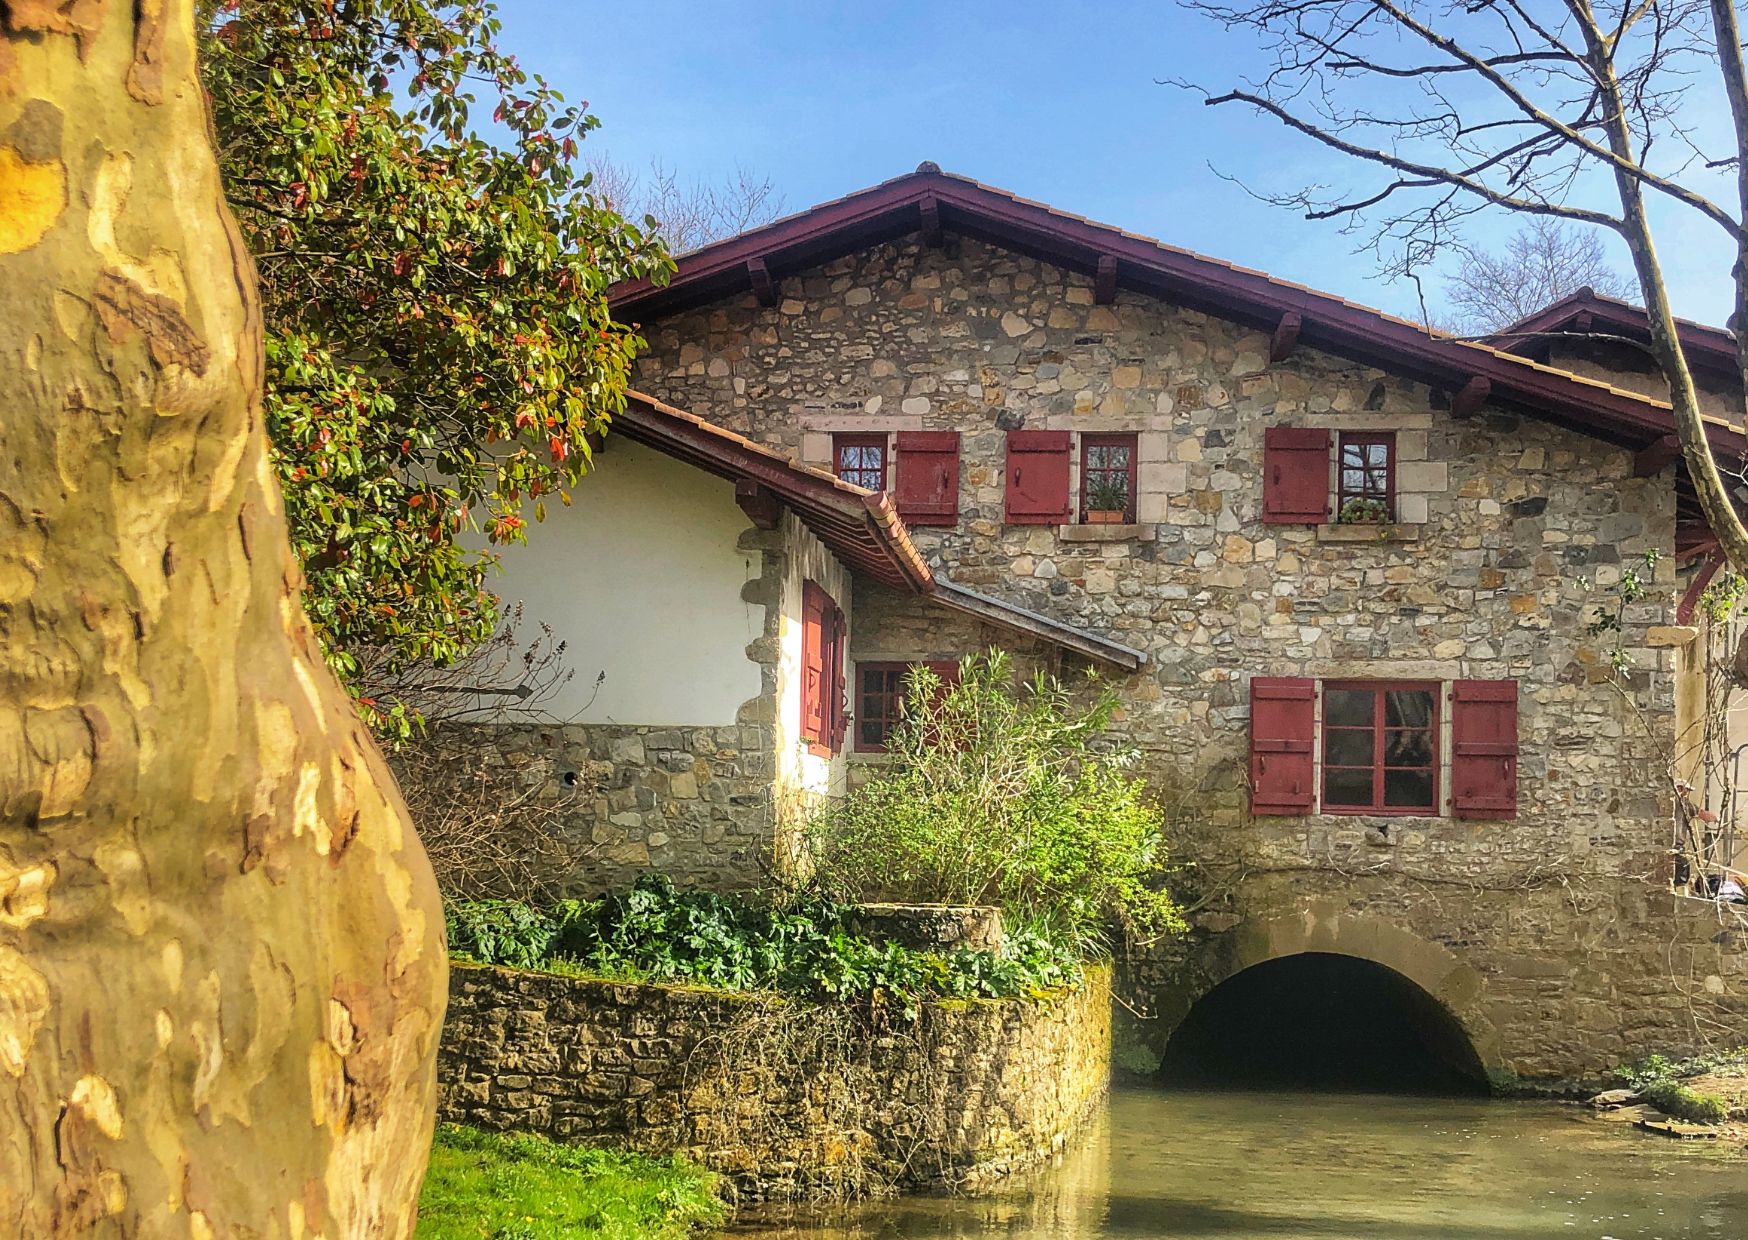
x: 1356, y: 568
x: 705, y: 586
x: 1608, y: 339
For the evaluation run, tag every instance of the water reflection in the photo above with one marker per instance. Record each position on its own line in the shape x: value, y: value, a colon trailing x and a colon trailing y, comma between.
x: 1195, y: 1166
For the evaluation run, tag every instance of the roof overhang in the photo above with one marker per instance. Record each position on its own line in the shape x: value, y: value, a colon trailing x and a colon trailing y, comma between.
x: 857, y: 526
x: 1587, y: 313
x: 1021, y: 620
x: 861, y: 528
x: 931, y: 201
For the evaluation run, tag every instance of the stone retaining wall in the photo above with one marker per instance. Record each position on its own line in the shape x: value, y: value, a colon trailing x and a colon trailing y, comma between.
x: 785, y: 1100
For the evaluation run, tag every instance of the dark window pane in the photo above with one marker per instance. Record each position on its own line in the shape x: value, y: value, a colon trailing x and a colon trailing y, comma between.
x: 1408, y: 749
x: 1408, y: 789
x: 1344, y: 787
x: 1408, y: 708
x: 873, y: 731
x: 1349, y: 707
x: 1347, y: 747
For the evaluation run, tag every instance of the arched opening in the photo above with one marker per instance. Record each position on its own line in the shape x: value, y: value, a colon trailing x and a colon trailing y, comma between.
x: 1317, y: 1020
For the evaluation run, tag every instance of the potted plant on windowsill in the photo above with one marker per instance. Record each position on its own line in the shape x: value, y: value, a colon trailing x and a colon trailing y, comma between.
x: 1107, y: 502
x: 1363, y: 511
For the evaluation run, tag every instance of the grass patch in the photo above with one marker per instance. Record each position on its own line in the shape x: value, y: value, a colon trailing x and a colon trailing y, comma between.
x: 513, y: 1186
x: 1680, y: 1102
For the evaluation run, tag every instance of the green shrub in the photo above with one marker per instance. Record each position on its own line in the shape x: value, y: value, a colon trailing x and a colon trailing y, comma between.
x: 798, y: 945
x: 1680, y: 1102
x: 514, y: 1186
x: 1003, y: 794
x: 499, y: 931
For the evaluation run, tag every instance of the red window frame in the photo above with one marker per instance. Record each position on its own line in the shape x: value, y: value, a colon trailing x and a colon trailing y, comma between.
x: 858, y: 473
x: 885, y: 705
x: 1128, y: 472
x: 1376, y: 482
x: 1379, y: 730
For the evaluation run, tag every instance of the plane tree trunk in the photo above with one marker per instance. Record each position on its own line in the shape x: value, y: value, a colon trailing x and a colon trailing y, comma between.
x: 221, y: 956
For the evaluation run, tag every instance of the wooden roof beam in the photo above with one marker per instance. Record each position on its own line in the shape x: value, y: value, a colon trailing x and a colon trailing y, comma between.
x: 1657, y: 456
x: 764, y: 287
x: 930, y: 210
x: 1286, y: 337
x: 1105, y: 281
x: 759, y: 502
x: 1473, y: 394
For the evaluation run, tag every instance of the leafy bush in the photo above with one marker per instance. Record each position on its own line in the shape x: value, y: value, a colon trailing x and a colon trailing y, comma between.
x: 1003, y: 794
x: 1645, y: 1072
x: 500, y: 932
x: 799, y: 945
x: 1680, y: 1102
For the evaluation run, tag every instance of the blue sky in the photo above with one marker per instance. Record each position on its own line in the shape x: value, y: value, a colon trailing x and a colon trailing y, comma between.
x: 1058, y: 102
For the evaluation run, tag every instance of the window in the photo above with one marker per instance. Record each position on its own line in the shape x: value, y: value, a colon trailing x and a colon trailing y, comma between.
x: 860, y: 459
x: 880, y: 689
x: 1107, y: 478
x: 1366, y: 477
x: 1380, y: 748
x: 822, y: 671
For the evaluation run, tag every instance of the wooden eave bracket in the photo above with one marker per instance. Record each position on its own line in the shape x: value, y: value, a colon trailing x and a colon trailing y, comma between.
x: 1105, y: 280
x: 1468, y: 401
x: 764, y: 287
x: 930, y: 210
x: 1657, y: 456
x: 1286, y: 337
x: 759, y: 502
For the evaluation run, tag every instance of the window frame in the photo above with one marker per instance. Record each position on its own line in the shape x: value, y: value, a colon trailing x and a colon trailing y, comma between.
x: 947, y: 669
x: 1379, y: 729
x: 1386, y: 439
x: 1110, y: 439
x: 863, y: 439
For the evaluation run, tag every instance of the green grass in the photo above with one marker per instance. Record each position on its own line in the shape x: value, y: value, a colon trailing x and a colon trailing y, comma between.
x: 512, y: 1186
x: 1680, y: 1102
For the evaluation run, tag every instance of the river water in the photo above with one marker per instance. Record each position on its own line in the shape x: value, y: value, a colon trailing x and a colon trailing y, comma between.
x: 1265, y: 1166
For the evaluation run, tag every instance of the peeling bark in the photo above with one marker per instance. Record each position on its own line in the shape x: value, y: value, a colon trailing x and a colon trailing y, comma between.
x: 221, y: 957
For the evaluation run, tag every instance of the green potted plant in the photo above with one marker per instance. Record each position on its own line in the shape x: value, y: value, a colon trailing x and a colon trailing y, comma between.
x: 1363, y: 511
x: 1107, y: 500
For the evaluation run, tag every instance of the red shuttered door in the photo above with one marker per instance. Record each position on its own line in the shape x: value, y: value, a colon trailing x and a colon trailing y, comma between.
x: 928, y: 477
x: 1283, y: 722
x: 1037, y: 477
x: 1295, y: 475
x: 1484, y: 749
x: 815, y: 610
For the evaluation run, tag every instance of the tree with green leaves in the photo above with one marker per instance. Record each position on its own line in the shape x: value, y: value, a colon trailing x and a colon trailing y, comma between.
x: 440, y: 356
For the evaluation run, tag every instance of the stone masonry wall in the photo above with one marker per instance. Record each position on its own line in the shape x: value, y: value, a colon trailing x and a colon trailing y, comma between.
x: 1513, y: 531
x: 973, y: 1090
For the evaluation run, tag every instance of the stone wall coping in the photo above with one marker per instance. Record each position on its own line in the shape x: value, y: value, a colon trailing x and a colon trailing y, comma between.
x: 1092, y: 968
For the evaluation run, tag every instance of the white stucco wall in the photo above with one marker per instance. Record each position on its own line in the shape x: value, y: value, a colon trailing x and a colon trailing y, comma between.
x: 642, y: 577
x: 800, y: 773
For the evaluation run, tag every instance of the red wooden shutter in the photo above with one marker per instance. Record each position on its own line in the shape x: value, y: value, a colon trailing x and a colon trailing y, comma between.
x: 1037, y: 481
x: 1295, y: 475
x: 814, y: 637
x: 928, y: 477
x: 1283, y: 722
x: 838, y: 706
x: 1484, y: 749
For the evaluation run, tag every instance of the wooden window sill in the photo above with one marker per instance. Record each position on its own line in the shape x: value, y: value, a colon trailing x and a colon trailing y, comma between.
x: 1367, y: 532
